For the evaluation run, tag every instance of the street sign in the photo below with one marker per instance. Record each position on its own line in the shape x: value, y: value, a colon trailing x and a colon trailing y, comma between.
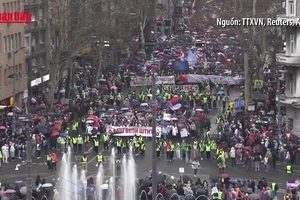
x: 239, y: 103
x: 181, y: 170
x: 258, y: 83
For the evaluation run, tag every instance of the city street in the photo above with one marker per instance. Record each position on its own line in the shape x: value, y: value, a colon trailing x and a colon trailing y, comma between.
x: 143, y: 166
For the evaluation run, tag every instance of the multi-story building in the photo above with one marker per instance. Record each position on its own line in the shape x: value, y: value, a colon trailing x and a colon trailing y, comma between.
x: 291, y: 60
x: 35, y: 42
x: 12, y: 55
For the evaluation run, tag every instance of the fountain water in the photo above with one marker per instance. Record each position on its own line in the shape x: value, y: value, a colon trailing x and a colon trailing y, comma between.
x: 75, y: 182
x: 69, y: 183
x: 99, y: 182
x: 129, y: 183
x: 65, y: 182
x: 112, y: 181
x: 84, y: 182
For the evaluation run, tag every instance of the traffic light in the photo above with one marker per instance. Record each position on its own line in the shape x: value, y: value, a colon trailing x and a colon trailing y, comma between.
x: 200, y: 44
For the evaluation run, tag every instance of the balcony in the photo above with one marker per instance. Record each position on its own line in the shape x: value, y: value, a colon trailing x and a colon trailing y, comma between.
x: 289, y: 100
x: 38, y: 48
x: 32, y: 3
x: 35, y: 26
x: 293, y: 19
x: 284, y: 59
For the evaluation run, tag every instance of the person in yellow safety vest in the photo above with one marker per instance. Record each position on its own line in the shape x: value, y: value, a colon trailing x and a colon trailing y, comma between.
x: 207, y: 150
x: 213, y: 148
x: 62, y: 143
x: 158, y: 149
x: 220, y: 195
x: 274, y: 188
x: 221, y: 161
x: 48, y: 160
x: 80, y: 143
x: 84, y: 160
x: 289, y: 169
x: 231, y: 105
x: 74, y: 128
x: 172, y: 151
x: 224, y: 100
x: 119, y: 146
x: 105, y: 141
x: 267, y: 164
x: 74, y: 142
x: 136, y: 147
x: 100, y: 159
x: 96, y: 146
x: 143, y: 148
x: 204, y: 101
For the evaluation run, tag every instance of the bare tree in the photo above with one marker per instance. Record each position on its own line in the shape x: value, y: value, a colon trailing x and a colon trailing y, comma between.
x: 252, y: 38
x: 140, y: 7
x: 71, y: 28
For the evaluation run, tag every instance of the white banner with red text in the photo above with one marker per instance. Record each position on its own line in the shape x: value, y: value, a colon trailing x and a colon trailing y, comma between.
x: 168, y: 80
x: 132, y: 130
x: 147, y: 81
x: 185, y: 88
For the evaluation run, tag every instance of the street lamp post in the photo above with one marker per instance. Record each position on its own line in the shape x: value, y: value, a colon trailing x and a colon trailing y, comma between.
x: 154, y: 159
x: 28, y: 160
x: 14, y: 87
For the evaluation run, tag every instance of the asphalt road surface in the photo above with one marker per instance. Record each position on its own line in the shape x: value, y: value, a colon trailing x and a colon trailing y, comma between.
x: 208, y: 169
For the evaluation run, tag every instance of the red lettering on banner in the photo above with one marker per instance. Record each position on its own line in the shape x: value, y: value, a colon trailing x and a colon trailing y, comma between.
x: 190, y: 87
x: 143, y: 131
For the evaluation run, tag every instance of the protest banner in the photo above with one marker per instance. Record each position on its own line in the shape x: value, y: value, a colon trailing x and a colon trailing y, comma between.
x: 132, y: 130
x: 168, y: 80
x: 185, y: 88
x: 140, y: 81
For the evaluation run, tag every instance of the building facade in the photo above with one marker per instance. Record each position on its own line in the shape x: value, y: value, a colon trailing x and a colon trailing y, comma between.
x: 12, y: 52
x: 35, y: 42
x: 291, y: 60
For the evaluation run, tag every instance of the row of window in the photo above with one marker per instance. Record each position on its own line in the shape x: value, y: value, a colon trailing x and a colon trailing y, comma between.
x: 13, y: 6
x: 9, y: 71
x: 292, y: 44
x: 291, y: 8
x: 12, y: 42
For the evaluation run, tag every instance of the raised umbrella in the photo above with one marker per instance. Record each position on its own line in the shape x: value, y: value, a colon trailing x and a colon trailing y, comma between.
x: 54, y: 133
x: 2, y: 128
x: 254, y: 196
x: 113, y: 88
x: 23, y: 190
x: 59, y: 105
x: 63, y: 135
x: 10, y: 191
x: 47, y: 185
x: 37, y: 117
x: 239, y: 145
x: 224, y: 176
x: 91, y: 117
